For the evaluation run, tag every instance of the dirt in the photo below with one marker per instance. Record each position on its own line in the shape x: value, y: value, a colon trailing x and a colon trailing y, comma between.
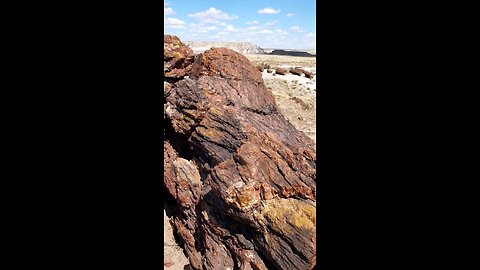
x: 296, y: 99
x: 173, y: 254
x: 283, y: 60
x: 295, y: 95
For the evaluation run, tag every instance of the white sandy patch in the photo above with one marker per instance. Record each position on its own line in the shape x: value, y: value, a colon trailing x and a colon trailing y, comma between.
x: 174, y: 257
x: 291, y: 78
x: 295, y: 97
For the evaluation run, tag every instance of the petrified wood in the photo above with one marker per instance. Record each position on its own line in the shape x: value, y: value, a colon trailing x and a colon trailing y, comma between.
x: 241, y: 178
x: 280, y: 71
x: 296, y: 71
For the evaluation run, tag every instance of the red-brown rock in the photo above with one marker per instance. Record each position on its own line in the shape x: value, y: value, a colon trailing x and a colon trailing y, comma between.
x: 280, y: 71
x: 242, y: 177
x: 308, y: 74
x: 176, y: 57
x: 296, y: 71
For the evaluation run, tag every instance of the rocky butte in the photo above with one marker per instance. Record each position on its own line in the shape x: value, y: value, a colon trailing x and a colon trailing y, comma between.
x: 241, y: 47
x: 240, y: 179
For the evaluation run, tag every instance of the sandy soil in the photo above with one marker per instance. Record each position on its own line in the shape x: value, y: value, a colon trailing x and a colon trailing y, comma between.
x: 282, y: 60
x: 295, y: 95
x: 174, y: 257
x: 296, y: 99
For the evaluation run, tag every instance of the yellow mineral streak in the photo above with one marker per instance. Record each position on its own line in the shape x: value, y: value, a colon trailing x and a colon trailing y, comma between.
x: 280, y: 213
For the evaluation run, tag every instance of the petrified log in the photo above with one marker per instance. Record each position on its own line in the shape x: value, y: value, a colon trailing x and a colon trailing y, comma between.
x: 308, y: 74
x: 263, y: 66
x: 280, y: 71
x: 242, y: 179
x: 177, y: 57
x: 296, y: 71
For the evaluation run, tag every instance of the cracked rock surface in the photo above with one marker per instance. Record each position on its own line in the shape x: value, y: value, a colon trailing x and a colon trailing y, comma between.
x: 240, y: 179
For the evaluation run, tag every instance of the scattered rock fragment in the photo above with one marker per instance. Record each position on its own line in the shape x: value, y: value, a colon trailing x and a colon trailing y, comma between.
x: 280, y: 71
x: 308, y: 74
x: 296, y: 71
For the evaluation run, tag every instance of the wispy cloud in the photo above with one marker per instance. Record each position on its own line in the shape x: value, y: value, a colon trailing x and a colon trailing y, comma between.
x: 268, y: 10
x: 290, y: 14
x: 253, y: 22
x: 265, y: 31
x: 270, y: 23
x: 199, y: 28
x: 281, y: 32
x: 296, y: 29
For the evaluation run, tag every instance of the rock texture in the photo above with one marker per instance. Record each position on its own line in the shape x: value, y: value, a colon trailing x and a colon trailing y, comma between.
x: 241, y: 47
x: 241, y: 179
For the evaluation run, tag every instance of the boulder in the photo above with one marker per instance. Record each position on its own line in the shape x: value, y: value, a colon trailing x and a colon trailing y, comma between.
x: 241, y: 178
x: 296, y: 71
x: 308, y: 74
x: 280, y: 71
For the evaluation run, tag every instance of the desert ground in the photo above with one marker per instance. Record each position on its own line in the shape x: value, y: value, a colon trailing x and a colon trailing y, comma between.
x: 282, y: 60
x: 173, y: 254
x: 295, y: 95
x: 296, y: 99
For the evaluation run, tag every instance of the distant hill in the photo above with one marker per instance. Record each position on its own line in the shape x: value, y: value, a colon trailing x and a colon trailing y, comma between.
x: 241, y: 47
x: 291, y: 53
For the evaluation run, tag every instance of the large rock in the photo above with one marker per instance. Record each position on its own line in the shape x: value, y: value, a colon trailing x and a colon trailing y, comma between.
x: 243, y: 179
x: 176, y: 57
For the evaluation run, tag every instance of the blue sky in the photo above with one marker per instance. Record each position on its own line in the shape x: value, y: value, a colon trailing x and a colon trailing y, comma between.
x: 283, y: 24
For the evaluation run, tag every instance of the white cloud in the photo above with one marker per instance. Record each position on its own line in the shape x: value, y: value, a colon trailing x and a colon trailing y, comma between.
x: 174, y: 23
x: 212, y: 15
x: 168, y: 11
x: 213, y: 24
x: 296, y: 29
x: 230, y: 28
x: 268, y: 10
